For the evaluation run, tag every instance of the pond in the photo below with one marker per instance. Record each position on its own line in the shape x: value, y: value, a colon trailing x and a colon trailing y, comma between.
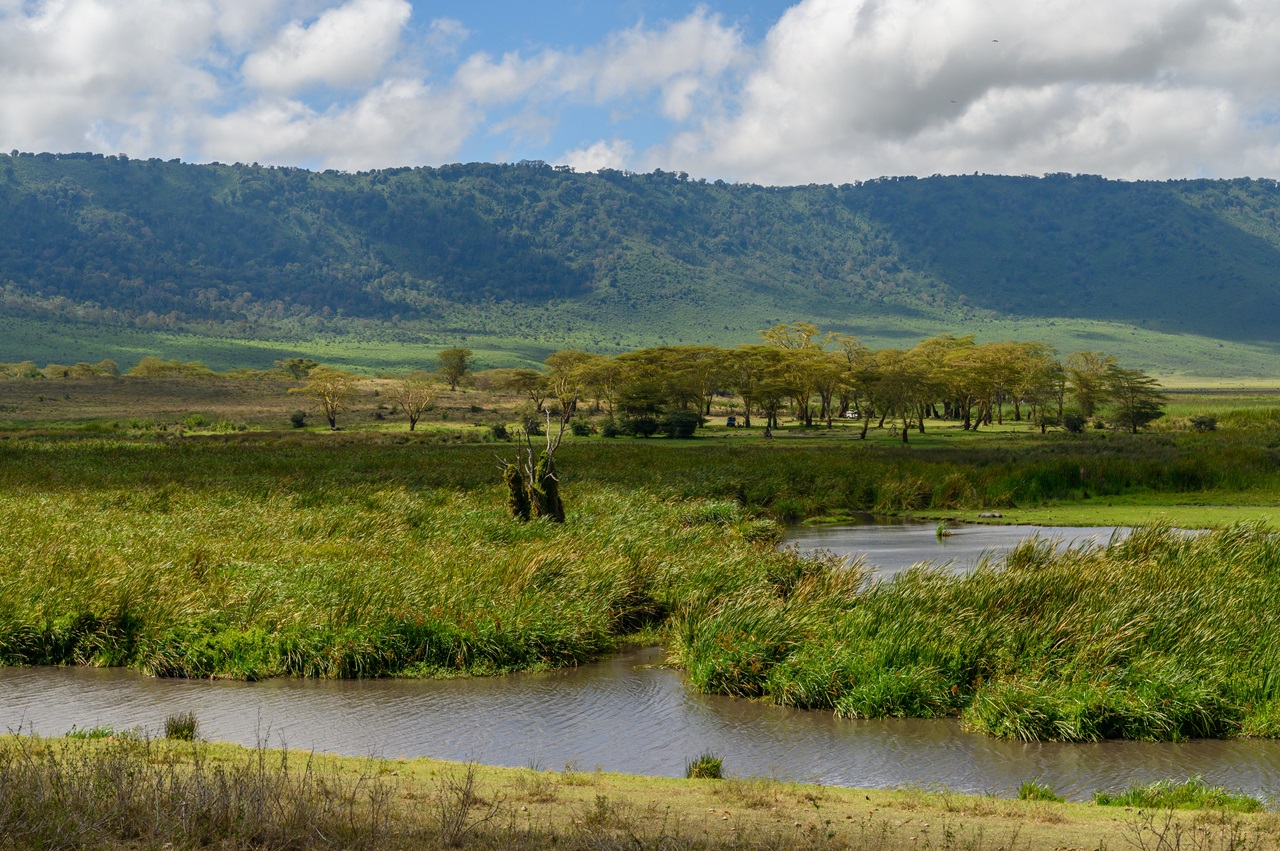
x: 894, y: 546
x: 624, y: 714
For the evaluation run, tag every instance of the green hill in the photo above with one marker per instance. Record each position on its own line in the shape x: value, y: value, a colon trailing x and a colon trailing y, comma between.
x: 107, y: 256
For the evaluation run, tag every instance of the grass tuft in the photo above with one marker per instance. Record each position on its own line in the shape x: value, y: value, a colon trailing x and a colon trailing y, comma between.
x: 704, y: 766
x: 1032, y: 790
x: 1190, y: 794
x: 181, y: 727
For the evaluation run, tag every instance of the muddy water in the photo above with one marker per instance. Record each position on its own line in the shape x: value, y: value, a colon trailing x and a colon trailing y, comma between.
x: 619, y: 715
x: 893, y: 547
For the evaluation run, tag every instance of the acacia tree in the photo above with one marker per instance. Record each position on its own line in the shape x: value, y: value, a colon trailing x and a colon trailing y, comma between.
x: 297, y: 368
x: 1136, y: 395
x: 453, y: 365
x: 1087, y: 373
x: 329, y: 389
x: 525, y: 381
x: 414, y: 393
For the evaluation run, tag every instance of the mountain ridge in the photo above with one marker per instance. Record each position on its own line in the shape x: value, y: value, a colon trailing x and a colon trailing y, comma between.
x: 484, y: 249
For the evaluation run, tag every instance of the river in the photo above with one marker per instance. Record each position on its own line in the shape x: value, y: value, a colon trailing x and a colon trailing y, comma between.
x: 626, y: 714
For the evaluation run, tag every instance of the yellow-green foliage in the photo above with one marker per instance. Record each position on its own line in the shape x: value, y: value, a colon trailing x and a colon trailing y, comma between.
x: 199, y: 561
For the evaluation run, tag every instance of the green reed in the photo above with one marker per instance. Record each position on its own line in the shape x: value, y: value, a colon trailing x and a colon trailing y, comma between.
x: 251, y: 556
x: 1162, y: 636
x: 205, y: 563
x: 1191, y: 794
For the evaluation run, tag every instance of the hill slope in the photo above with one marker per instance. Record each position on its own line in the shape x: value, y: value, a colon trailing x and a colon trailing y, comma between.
x: 529, y: 257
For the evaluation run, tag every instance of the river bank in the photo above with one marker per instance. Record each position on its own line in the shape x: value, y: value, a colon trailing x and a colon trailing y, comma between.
x: 185, y: 795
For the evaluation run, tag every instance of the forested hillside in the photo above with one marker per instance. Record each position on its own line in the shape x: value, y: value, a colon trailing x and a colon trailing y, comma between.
x: 258, y: 251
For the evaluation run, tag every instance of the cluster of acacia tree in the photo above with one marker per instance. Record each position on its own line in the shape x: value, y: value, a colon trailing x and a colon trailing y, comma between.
x: 817, y: 377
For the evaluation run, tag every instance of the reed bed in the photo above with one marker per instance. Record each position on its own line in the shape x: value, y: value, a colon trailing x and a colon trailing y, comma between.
x: 251, y: 568
x: 260, y: 555
x: 1162, y: 636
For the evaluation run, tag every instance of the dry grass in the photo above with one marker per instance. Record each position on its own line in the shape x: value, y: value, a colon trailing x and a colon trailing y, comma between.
x: 142, y: 794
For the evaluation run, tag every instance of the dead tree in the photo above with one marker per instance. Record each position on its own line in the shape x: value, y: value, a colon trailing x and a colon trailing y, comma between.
x: 533, y: 489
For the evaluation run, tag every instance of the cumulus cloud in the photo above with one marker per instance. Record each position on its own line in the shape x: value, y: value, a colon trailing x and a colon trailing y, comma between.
x: 70, y: 66
x: 346, y: 46
x: 847, y: 90
x: 838, y: 89
x: 400, y: 122
x: 615, y: 154
x: 679, y: 60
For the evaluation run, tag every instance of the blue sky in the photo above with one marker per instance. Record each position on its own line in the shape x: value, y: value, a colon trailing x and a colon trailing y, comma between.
x: 810, y: 91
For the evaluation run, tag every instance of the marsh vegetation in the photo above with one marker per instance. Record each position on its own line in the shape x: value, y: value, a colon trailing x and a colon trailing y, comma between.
x: 369, y: 555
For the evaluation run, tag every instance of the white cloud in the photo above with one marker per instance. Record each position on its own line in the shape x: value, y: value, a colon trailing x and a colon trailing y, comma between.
x: 1146, y: 88
x: 616, y: 154
x: 346, y: 46
x: 839, y: 89
x: 401, y: 122
x: 680, y: 61
x: 70, y: 66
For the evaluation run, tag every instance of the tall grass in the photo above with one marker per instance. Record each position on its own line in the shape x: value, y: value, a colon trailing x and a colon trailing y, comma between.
x: 257, y: 556
x: 315, y: 563
x: 1162, y: 636
x: 1191, y: 794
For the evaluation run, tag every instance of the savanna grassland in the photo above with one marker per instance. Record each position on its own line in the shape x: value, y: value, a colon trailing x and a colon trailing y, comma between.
x: 377, y: 552
x: 181, y: 527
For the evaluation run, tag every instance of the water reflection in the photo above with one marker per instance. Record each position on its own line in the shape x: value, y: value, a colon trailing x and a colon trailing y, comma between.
x: 892, y: 547
x: 620, y: 715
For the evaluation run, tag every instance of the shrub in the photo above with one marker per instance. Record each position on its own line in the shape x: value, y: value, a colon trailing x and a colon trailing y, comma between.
x: 1073, y: 421
x: 1204, y: 423
x: 640, y: 426
x: 581, y: 428
x: 298, y: 419
x: 194, y: 421
x: 610, y: 428
x: 680, y: 423
x: 498, y: 431
x: 704, y: 766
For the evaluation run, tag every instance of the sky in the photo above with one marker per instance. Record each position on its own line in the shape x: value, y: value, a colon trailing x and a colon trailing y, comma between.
x: 760, y: 91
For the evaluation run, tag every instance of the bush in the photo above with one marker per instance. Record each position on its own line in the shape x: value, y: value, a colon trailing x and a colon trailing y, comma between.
x: 581, y: 428
x: 193, y: 421
x: 498, y: 431
x: 298, y: 419
x: 531, y: 419
x: 641, y: 426
x: 1073, y: 421
x: 680, y: 423
x: 610, y: 428
x: 1204, y: 423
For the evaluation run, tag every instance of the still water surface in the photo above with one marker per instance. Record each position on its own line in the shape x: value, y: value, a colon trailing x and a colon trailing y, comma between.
x: 624, y: 714
x: 892, y: 547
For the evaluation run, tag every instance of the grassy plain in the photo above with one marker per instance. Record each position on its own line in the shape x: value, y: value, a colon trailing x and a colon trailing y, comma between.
x: 375, y: 551
x: 128, y: 793
x: 523, y: 336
